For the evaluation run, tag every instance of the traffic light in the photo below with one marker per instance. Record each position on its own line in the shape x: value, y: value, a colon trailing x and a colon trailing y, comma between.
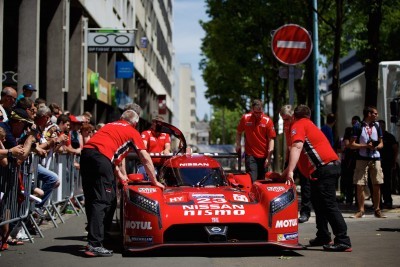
x: 394, y: 110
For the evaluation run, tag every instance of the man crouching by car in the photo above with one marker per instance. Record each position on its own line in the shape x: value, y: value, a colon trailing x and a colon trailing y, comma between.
x: 100, y: 157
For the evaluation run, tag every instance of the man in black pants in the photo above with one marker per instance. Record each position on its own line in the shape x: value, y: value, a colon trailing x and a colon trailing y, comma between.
x: 312, y: 153
x: 99, y: 161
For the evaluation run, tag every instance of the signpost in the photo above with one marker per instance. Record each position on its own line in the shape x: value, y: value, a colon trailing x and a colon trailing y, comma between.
x: 291, y: 45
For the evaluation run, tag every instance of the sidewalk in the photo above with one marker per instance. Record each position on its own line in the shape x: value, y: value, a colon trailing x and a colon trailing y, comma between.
x: 369, y: 212
x: 348, y: 211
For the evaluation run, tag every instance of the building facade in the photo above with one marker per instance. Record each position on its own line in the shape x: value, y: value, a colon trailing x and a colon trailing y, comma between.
x: 187, y: 104
x: 45, y: 43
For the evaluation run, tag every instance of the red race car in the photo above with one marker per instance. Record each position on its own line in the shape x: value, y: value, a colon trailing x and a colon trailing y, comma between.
x: 203, y: 205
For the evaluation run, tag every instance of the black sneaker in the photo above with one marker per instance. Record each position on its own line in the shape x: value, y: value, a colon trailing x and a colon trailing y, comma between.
x: 97, y: 251
x: 303, y: 218
x: 337, y: 248
x: 317, y: 242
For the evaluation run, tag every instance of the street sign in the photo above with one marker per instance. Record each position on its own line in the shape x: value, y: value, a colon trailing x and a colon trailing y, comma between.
x: 291, y: 44
x: 112, y: 41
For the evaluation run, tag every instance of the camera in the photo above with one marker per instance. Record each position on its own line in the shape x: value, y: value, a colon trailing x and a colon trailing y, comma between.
x: 374, y: 143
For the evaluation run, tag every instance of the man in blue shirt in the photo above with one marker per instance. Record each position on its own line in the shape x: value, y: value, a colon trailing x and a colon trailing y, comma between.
x: 327, y: 128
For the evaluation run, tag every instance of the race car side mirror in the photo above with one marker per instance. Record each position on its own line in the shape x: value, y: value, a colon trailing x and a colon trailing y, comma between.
x: 137, y: 178
x: 232, y: 181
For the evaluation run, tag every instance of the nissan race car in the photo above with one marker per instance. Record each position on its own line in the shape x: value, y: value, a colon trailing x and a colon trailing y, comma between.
x: 202, y: 205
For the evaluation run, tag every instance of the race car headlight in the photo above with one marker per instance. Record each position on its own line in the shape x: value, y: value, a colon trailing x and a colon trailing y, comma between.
x: 281, y: 202
x: 149, y: 205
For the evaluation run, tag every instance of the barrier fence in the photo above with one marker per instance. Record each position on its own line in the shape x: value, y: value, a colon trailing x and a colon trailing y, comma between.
x: 17, y: 182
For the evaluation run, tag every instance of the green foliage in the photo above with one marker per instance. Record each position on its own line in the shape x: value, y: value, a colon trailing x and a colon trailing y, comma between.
x: 223, y: 125
x: 237, y: 62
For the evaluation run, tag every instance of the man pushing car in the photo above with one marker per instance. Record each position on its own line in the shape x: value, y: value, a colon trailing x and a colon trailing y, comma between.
x: 99, y: 161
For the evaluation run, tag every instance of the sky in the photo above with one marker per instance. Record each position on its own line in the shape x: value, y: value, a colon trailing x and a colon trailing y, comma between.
x: 187, y: 35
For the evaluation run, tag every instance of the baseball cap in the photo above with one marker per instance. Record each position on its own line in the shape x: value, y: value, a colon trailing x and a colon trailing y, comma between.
x: 74, y: 119
x: 29, y: 87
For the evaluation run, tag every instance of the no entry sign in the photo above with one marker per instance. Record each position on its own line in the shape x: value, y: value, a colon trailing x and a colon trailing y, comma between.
x: 291, y: 44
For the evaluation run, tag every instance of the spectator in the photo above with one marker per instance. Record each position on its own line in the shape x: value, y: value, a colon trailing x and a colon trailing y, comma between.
x: 86, y: 117
x: 7, y: 101
x: 286, y: 113
x: 389, y: 159
x: 40, y: 102
x: 28, y: 105
x: 327, y: 128
x: 55, y: 111
x: 64, y: 126
x: 322, y: 166
x: 49, y: 179
x: 87, y: 131
x: 18, y: 124
x: 76, y: 139
x: 5, y: 155
x: 367, y: 139
x: 75, y: 132
x: 105, y: 150
x: 27, y: 91
x: 259, y: 134
x: 348, y: 163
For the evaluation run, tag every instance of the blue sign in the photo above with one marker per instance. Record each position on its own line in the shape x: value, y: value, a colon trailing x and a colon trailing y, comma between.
x: 124, y: 70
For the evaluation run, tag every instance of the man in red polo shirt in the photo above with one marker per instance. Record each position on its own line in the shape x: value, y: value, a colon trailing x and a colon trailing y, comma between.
x: 259, y: 134
x: 156, y: 142
x: 315, y: 158
x: 101, y: 155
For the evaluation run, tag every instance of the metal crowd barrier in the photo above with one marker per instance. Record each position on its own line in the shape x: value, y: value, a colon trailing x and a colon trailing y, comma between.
x: 15, y: 203
x: 15, y: 188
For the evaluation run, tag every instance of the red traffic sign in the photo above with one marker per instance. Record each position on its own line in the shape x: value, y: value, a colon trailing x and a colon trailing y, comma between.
x: 291, y: 44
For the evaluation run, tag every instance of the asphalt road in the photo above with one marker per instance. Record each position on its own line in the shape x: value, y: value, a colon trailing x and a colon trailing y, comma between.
x: 376, y: 242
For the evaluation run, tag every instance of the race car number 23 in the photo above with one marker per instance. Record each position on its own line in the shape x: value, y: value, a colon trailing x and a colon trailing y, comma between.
x: 205, y: 200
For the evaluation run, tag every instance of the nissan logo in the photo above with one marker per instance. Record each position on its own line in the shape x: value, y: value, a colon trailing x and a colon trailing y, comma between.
x: 216, y: 229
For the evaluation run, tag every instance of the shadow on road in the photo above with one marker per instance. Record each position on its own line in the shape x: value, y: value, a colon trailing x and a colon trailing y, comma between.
x: 76, y: 250
x: 216, y: 252
x: 389, y: 229
x: 80, y: 238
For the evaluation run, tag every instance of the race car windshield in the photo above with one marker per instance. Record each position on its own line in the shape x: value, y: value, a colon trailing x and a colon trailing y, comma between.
x: 192, y: 177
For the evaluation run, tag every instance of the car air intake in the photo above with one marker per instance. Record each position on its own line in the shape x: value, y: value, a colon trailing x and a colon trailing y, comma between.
x: 196, y: 233
x: 216, y: 233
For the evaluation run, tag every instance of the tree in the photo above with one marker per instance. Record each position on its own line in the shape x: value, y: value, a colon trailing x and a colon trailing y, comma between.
x: 237, y: 62
x: 223, y: 125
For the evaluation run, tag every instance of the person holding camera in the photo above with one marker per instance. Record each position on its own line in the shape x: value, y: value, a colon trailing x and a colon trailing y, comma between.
x: 367, y: 139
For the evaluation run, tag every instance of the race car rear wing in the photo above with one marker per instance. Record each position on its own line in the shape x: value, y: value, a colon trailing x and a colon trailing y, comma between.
x: 226, y: 159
